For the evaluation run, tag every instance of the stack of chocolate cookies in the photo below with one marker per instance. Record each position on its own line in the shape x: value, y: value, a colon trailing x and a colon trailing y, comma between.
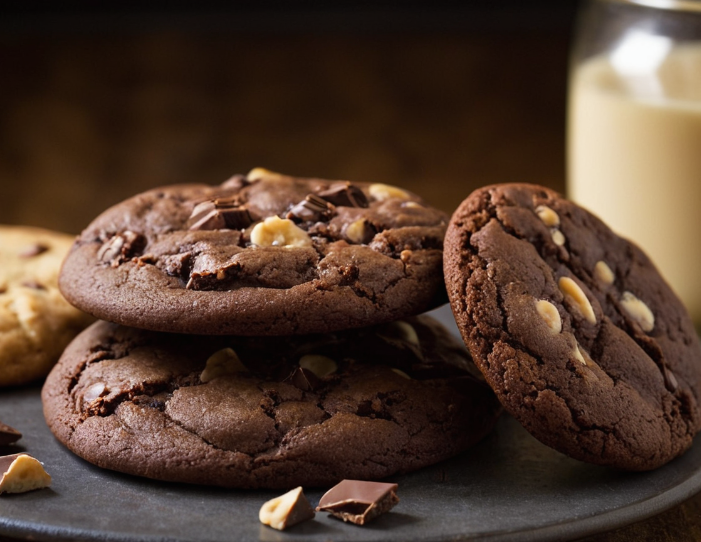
x: 263, y: 334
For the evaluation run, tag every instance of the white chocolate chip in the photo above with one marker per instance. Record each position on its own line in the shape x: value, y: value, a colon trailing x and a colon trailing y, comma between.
x: 355, y: 231
x: 382, y: 192
x: 286, y: 510
x: 547, y: 216
x: 638, y: 311
x: 279, y: 232
x: 258, y: 173
x: 402, y: 330
x: 412, y: 205
x: 401, y: 373
x: 550, y: 314
x: 571, y: 288
x: 24, y: 474
x: 321, y: 366
x: 603, y: 272
x: 558, y: 237
x: 222, y: 362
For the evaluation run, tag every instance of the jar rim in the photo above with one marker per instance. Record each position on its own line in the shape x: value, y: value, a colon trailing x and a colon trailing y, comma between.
x: 672, y: 5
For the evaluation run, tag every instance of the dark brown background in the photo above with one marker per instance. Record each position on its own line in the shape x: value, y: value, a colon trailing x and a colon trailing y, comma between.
x: 98, y: 103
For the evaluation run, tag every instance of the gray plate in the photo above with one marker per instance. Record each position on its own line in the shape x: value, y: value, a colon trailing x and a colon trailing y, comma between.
x: 508, y: 487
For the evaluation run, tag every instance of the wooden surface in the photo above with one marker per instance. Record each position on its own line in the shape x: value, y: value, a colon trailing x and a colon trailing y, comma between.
x: 88, y: 119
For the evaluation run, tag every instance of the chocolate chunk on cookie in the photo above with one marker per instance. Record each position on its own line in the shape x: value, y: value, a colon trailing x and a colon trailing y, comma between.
x: 36, y: 322
x: 229, y: 411
x: 573, y: 327
x: 265, y: 254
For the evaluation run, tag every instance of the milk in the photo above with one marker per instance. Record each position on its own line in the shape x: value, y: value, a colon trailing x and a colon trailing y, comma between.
x: 634, y: 159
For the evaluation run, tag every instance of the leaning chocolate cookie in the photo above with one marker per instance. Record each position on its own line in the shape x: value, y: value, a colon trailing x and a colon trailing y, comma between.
x: 264, y: 254
x: 573, y: 327
x: 274, y: 412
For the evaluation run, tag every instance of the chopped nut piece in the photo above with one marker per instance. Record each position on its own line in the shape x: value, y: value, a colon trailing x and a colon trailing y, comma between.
x: 572, y: 290
x: 358, y: 501
x: 550, y: 314
x: 578, y: 355
x: 401, y: 373
x: 8, y: 434
x: 360, y: 232
x: 670, y: 381
x: 260, y: 173
x: 549, y: 217
x: 321, y: 366
x: 558, y: 238
x: 638, y: 311
x: 20, y: 473
x: 286, y: 510
x: 93, y: 392
x: 603, y: 272
x: 382, y: 192
x: 222, y: 362
x: 279, y: 232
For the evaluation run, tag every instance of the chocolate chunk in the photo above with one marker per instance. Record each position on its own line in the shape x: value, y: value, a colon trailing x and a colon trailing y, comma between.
x: 303, y: 379
x: 286, y: 510
x: 670, y: 381
x: 311, y: 209
x: 33, y: 250
x: 20, y: 473
x: 33, y: 284
x: 121, y: 247
x: 218, y: 214
x: 358, y: 501
x: 345, y: 195
x: 8, y: 434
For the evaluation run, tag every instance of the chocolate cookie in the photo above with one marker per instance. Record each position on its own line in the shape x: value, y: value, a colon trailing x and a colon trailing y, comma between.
x: 573, y: 327
x: 36, y: 322
x: 264, y: 254
x: 267, y: 412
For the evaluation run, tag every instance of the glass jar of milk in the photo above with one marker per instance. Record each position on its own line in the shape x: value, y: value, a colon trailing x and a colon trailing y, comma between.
x: 634, y: 130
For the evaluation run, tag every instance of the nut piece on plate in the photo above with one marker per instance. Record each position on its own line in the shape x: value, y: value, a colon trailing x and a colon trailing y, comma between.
x: 358, y: 501
x: 20, y: 473
x: 8, y: 434
x: 286, y: 510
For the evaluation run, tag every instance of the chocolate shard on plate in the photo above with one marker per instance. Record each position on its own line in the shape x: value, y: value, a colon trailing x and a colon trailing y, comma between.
x: 358, y: 501
x: 345, y: 195
x: 286, y: 510
x: 8, y: 434
x: 20, y: 473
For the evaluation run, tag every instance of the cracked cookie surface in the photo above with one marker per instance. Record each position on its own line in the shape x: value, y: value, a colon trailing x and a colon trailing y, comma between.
x: 36, y: 322
x: 573, y: 327
x: 268, y: 412
x: 264, y: 254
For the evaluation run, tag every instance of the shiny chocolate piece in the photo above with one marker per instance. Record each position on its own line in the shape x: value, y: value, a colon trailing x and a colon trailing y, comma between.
x: 8, y: 434
x: 33, y: 250
x: 345, y: 195
x: 303, y: 379
x: 121, y: 247
x: 219, y: 213
x: 358, y: 501
x: 286, y: 510
x: 311, y: 209
x: 21, y: 473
